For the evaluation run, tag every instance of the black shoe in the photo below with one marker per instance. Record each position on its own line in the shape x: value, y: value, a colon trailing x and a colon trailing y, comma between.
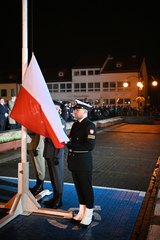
x: 75, y: 221
x: 53, y: 203
x: 36, y: 189
x: 57, y: 204
x: 81, y: 225
x: 49, y: 203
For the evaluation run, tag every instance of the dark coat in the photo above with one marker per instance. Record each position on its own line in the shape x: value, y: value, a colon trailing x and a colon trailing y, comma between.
x: 82, y: 142
x: 50, y: 152
x: 3, y: 118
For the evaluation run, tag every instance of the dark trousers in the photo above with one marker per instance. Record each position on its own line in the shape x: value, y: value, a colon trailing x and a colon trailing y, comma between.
x: 3, y: 123
x: 83, y: 185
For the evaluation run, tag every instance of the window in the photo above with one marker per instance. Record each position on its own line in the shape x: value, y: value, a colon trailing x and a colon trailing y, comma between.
x: 55, y: 87
x: 76, y: 73
x: 112, y: 101
x: 49, y: 87
x: 90, y: 72
x: 105, y: 101
x: 120, y: 101
x: 127, y: 101
x: 62, y: 87
x: 83, y: 87
x: 76, y: 87
x: 93, y: 87
x: 12, y: 92
x: 3, y: 92
x: 69, y: 87
x: 83, y: 73
x: 120, y: 86
x: 90, y: 87
x: 105, y: 86
x: 97, y: 72
x: 52, y: 87
x: 97, y: 86
x: 112, y: 86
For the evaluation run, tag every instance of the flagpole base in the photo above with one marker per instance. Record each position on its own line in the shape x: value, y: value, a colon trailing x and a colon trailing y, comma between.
x: 25, y: 204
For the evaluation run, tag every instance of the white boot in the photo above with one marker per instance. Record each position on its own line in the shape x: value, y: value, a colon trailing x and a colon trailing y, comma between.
x: 81, y: 212
x: 87, y: 219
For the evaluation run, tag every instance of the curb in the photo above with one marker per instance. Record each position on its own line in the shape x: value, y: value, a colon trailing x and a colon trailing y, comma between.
x: 154, y: 228
x: 145, y: 227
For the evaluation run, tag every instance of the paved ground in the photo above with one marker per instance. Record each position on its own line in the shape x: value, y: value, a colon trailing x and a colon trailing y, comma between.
x: 124, y: 158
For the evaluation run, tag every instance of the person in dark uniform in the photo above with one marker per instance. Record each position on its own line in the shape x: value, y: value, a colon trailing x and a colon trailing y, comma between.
x: 55, y: 161
x: 80, y: 163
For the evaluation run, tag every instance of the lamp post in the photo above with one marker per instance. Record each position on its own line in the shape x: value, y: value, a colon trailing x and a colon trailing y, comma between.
x: 154, y: 91
x: 139, y: 87
x: 125, y: 85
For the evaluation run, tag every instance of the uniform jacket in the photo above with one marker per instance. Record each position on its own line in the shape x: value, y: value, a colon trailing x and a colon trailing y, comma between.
x: 82, y: 142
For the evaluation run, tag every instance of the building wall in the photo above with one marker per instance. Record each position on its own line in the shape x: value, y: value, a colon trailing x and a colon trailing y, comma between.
x: 7, y: 89
x: 113, y: 94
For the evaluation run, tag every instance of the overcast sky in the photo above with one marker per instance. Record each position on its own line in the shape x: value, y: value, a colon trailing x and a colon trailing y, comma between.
x: 60, y: 31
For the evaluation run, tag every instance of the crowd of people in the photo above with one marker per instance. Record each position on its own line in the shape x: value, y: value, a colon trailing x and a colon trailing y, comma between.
x: 97, y: 112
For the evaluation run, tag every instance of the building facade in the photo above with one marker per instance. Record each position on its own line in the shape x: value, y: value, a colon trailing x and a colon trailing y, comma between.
x: 112, y: 83
x: 96, y: 79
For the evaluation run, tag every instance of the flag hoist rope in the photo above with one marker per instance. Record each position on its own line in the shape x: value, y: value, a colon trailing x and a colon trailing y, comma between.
x: 24, y: 202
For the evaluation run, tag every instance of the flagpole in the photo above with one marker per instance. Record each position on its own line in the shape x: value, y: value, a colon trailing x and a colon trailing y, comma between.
x: 24, y: 201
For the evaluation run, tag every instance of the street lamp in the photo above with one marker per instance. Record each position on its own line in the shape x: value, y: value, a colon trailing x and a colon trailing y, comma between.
x: 125, y: 85
x: 154, y: 83
x: 154, y: 91
x: 140, y: 85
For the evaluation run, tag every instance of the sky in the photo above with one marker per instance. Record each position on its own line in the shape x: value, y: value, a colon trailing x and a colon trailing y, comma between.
x: 59, y: 32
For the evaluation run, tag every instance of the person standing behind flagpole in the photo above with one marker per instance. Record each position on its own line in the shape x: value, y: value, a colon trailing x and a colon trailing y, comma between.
x: 35, y: 152
x: 80, y: 163
x: 55, y: 161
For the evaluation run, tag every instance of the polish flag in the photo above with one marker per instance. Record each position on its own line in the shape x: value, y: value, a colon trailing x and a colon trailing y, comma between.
x: 34, y: 108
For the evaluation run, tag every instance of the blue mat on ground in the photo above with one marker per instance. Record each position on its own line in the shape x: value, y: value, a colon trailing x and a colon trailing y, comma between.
x: 115, y: 214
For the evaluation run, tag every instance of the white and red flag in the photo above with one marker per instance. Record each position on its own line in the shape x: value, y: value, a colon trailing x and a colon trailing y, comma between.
x: 34, y: 108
